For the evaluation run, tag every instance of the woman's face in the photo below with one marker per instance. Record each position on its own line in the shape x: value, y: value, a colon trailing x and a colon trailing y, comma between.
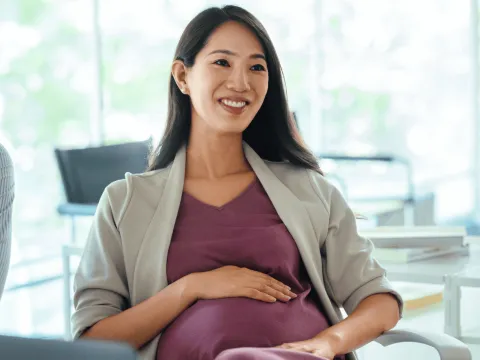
x: 228, y: 81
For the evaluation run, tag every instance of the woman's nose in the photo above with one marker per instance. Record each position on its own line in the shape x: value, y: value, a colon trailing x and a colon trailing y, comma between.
x: 239, y: 81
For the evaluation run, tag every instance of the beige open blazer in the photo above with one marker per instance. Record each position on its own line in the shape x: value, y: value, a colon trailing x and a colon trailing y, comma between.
x: 125, y: 257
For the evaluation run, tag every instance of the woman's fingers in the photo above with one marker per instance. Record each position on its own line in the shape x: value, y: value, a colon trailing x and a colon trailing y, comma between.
x: 283, y: 289
x: 258, y: 295
x: 268, y: 291
x: 273, y: 292
x: 272, y: 283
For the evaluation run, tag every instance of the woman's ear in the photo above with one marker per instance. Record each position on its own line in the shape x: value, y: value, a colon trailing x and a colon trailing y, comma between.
x: 179, y: 73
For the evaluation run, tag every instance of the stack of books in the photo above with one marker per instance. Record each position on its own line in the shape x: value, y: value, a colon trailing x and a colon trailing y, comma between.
x: 407, y: 244
x: 419, y: 296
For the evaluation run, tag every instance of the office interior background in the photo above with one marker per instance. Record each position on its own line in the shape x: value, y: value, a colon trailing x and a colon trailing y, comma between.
x: 365, y: 78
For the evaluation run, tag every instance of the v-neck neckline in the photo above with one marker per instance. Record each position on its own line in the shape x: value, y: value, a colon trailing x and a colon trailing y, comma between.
x: 240, y: 195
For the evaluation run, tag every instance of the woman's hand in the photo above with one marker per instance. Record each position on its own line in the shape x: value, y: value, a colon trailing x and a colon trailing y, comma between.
x: 320, y: 347
x: 232, y: 281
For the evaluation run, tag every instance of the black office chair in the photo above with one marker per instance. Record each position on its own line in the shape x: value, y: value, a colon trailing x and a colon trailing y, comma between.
x: 85, y: 173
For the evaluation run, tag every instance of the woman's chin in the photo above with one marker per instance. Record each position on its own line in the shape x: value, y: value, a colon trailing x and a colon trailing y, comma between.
x: 233, y: 125
x: 238, y: 128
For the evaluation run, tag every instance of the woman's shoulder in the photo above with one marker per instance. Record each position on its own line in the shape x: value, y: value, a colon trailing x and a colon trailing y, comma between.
x: 144, y: 187
x: 143, y: 181
x: 304, y: 183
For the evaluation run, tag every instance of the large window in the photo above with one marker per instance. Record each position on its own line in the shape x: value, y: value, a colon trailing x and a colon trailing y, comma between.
x: 397, y: 79
x: 46, y: 82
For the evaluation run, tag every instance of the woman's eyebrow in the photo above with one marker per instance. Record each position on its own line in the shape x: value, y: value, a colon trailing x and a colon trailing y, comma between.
x: 229, y: 52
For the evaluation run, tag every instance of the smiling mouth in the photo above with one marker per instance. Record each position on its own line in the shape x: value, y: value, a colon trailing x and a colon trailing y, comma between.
x: 234, y: 104
x: 234, y: 107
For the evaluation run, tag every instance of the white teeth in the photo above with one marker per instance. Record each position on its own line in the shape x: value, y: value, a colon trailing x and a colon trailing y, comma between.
x: 236, y: 104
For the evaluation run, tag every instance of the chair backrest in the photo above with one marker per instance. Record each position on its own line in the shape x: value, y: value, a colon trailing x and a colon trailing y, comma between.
x: 26, y: 349
x: 86, y: 172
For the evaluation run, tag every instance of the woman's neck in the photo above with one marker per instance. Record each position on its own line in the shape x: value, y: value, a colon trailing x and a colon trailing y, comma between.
x: 215, y: 156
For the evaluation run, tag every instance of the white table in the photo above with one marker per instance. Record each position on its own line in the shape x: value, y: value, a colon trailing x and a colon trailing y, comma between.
x: 434, y: 270
x: 469, y: 277
x: 452, y: 271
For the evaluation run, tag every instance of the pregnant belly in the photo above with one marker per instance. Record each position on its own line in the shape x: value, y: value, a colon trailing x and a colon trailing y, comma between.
x: 211, y: 326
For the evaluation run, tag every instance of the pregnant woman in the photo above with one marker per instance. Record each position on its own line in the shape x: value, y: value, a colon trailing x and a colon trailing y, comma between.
x: 232, y: 246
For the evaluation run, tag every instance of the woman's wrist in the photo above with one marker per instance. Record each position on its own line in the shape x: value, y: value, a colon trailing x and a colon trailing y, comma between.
x: 332, y: 339
x: 188, y: 288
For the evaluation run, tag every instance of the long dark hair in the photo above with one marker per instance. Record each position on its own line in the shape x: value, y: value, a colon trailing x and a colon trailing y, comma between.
x: 272, y: 133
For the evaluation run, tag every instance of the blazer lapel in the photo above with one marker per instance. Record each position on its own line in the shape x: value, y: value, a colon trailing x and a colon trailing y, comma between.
x: 151, y: 268
x: 289, y: 208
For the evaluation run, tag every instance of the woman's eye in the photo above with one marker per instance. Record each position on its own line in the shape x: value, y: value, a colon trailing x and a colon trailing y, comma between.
x: 258, y: 67
x: 221, y: 62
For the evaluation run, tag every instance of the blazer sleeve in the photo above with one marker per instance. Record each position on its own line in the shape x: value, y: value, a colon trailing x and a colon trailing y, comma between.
x: 6, y: 204
x: 100, y: 285
x: 352, y: 274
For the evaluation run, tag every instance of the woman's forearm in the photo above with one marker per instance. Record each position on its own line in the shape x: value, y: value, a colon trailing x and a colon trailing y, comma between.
x: 373, y: 316
x: 141, y: 323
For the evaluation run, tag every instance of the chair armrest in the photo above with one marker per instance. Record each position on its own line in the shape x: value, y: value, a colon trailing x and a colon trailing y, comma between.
x: 447, y: 346
x: 73, y: 209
